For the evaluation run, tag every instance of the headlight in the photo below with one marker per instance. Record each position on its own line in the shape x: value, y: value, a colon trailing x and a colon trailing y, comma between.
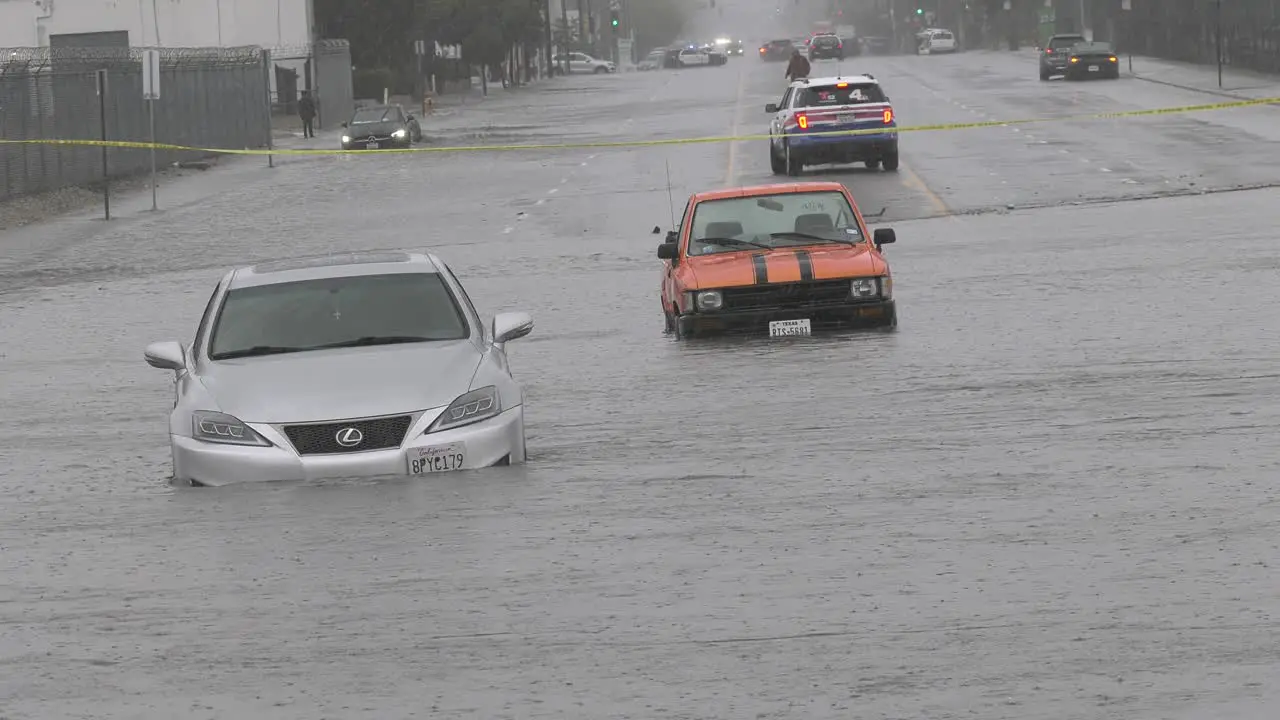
x: 399, y: 133
x: 871, y: 287
x: 1075, y: 59
x: 710, y: 300
x: 224, y: 429
x: 346, y: 139
x: 469, y: 408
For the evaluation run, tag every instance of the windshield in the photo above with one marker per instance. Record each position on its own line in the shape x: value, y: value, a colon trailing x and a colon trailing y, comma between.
x: 826, y: 40
x: 1060, y: 43
x: 833, y: 95
x: 784, y: 220
x: 373, y: 115
x: 336, y: 312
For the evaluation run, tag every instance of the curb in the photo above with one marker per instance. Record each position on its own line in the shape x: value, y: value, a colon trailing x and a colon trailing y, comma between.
x: 1216, y: 93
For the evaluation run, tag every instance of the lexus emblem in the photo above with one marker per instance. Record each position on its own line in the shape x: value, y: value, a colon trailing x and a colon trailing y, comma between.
x: 349, y: 437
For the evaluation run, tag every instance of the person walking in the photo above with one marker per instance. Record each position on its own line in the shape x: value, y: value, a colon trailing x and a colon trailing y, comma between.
x: 798, y: 68
x: 307, y: 111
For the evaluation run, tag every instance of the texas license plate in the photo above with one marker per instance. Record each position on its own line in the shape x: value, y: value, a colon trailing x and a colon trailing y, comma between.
x: 439, y: 458
x: 1093, y: 68
x: 372, y: 145
x: 790, y: 328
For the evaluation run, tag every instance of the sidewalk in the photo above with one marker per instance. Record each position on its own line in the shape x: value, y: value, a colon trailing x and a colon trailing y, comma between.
x: 1236, y: 84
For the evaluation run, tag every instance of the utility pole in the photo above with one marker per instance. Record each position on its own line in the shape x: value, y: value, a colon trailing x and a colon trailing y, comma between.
x: 582, y: 21
x: 564, y: 19
x: 546, y: 16
x: 1217, y: 21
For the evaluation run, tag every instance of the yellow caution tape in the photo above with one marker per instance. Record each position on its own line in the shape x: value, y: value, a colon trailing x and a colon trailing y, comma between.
x: 124, y: 144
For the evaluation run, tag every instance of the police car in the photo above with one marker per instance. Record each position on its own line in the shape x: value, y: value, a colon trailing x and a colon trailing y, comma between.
x: 811, y: 110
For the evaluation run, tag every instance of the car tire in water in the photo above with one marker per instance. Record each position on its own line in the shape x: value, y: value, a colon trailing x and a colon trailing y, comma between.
x: 890, y: 161
x: 872, y: 164
x: 1044, y: 75
x: 791, y: 164
x: 776, y: 164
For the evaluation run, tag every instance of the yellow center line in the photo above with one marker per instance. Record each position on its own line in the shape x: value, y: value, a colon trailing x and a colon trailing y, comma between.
x: 912, y: 181
x: 731, y: 175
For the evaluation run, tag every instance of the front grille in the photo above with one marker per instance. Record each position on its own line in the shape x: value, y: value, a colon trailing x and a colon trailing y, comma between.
x: 322, y: 439
x: 787, y: 296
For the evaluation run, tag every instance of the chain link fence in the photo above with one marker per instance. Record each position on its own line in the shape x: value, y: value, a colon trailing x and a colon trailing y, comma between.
x: 1188, y: 30
x: 209, y: 97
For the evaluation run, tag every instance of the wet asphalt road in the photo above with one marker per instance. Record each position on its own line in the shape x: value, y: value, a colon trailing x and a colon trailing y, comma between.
x: 1049, y: 495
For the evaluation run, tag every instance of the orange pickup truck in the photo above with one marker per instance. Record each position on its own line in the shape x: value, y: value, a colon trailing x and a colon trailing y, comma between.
x: 787, y: 259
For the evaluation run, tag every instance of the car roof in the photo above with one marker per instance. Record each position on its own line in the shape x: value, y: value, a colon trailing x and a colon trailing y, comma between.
x: 864, y: 79
x: 333, y: 265
x: 1095, y: 45
x: 772, y: 189
x: 1066, y: 36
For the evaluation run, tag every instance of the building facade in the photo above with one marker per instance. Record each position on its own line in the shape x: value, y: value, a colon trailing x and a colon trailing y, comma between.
x: 160, y: 23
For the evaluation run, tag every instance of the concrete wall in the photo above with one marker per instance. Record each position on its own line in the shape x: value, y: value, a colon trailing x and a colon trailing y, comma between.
x: 171, y: 23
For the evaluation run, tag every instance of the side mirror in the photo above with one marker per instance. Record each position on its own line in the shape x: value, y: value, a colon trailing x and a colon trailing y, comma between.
x: 771, y: 108
x: 344, y: 124
x: 657, y: 229
x: 166, y: 355
x: 511, y: 326
x: 409, y: 118
x: 884, y: 236
x: 672, y: 236
x: 668, y: 251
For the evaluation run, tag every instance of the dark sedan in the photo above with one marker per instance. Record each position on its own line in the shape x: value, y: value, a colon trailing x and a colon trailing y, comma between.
x: 1093, y: 59
x: 380, y: 126
x: 777, y: 50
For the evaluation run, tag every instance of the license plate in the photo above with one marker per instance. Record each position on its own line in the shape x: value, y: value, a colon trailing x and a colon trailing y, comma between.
x: 846, y: 118
x: 371, y: 145
x: 790, y: 328
x: 1093, y: 68
x: 440, y: 458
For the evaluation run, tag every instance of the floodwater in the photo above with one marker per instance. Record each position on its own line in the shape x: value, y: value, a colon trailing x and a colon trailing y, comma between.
x: 1049, y: 495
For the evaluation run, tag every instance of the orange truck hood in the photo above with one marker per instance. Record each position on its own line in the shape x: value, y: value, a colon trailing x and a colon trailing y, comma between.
x: 784, y: 265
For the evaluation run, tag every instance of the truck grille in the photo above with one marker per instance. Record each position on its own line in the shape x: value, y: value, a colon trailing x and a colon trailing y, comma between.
x: 322, y: 438
x: 787, y: 296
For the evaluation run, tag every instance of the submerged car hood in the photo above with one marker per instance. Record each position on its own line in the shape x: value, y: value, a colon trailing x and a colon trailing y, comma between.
x: 378, y: 128
x: 782, y: 265
x: 342, y: 384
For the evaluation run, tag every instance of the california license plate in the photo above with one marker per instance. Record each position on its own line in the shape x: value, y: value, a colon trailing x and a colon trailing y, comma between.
x: 790, y: 328
x: 1093, y: 68
x: 439, y: 458
x: 372, y: 145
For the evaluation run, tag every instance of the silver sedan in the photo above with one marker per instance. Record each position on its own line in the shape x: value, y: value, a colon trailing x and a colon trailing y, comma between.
x: 352, y: 365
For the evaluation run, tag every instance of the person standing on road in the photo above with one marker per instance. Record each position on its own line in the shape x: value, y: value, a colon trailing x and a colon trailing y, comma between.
x: 307, y: 111
x: 798, y: 68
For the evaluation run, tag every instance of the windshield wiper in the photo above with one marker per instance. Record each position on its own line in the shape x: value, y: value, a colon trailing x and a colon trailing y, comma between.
x: 369, y: 340
x: 257, y: 350
x: 730, y: 241
x: 807, y: 236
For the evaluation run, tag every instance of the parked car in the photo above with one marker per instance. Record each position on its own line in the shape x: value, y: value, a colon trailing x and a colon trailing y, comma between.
x: 583, y: 63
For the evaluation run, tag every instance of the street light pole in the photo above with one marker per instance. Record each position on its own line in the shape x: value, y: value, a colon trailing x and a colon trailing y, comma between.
x: 1218, y: 37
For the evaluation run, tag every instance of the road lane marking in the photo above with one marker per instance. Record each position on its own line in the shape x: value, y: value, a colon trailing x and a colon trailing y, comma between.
x: 912, y: 181
x: 731, y: 172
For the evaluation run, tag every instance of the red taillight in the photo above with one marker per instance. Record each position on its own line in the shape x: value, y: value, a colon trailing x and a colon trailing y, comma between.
x: 1048, y: 51
x: 888, y: 115
x: 803, y: 120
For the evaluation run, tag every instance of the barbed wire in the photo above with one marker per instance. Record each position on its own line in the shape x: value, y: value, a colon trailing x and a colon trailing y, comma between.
x: 75, y: 58
x: 301, y: 51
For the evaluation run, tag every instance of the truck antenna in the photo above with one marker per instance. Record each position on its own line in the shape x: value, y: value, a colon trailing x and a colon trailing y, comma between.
x: 671, y: 203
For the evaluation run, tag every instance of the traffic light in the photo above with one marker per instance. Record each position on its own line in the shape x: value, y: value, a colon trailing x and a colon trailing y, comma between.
x: 613, y: 19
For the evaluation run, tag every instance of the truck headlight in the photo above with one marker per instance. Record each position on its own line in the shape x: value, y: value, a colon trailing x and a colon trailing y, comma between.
x: 710, y: 300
